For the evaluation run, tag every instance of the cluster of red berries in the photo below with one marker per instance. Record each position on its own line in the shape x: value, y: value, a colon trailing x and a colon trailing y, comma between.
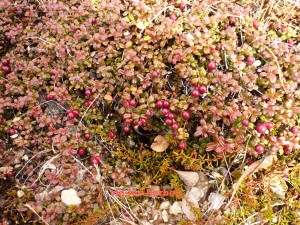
x: 262, y: 128
x: 72, y: 113
x: 88, y: 93
x: 5, y: 66
x: 198, y: 90
x: 130, y: 103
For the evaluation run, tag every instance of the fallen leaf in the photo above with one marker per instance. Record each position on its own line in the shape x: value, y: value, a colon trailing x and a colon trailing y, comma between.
x: 191, y: 201
x: 160, y: 144
x: 216, y: 200
x: 202, y: 184
x: 164, y: 216
x: 70, y: 197
x: 175, y: 209
x: 277, y: 185
x: 189, y: 178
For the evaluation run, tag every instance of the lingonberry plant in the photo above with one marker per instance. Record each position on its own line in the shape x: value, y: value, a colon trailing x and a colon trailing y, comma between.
x: 89, y: 86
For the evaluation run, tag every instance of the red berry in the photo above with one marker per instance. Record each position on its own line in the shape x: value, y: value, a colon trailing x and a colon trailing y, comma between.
x: 259, y: 149
x: 128, y: 120
x: 294, y: 130
x: 171, y: 116
x: 132, y: 103
x: 182, y: 145
x: 50, y: 97
x: 175, y: 126
x: 186, y: 115
x: 219, y: 46
x: 154, y: 74
x: 9, y: 37
x: 149, y: 113
x: 96, y: 160
x: 111, y: 134
x: 287, y: 150
x: 245, y: 122
x: 69, y: 110
x: 1, y: 82
x: 12, y: 131
x: 6, y: 69
x: 250, y: 60
x: 88, y: 136
x: 182, y: 6
x: 255, y: 24
x: 81, y: 151
x: 127, y: 104
x: 5, y: 62
x: 76, y: 112
x: 126, y: 129
x: 211, y: 65
x: 88, y: 92
x: 144, y: 121
x: 202, y: 89
x: 94, y: 21
x: 139, y: 123
x: 269, y: 125
x: 173, y: 17
x: 10, y: 174
x: 159, y: 104
x: 261, y: 128
x: 168, y: 122
x: 71, y: 115
x: 165, y: 111
x: 167, y: 104
x: 1, y: 120
x: 195, y: 93
x: 89, y: 103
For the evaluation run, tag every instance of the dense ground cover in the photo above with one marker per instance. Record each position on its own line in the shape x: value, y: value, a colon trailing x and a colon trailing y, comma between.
x: 96, y: 95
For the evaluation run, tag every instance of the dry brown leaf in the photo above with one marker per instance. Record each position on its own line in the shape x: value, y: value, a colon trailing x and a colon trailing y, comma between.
x: 160, y: 144
x: 253, y: 168
x: 189, y: 178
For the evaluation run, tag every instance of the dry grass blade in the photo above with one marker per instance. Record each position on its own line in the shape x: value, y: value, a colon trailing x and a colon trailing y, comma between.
x: 254, y: 167
x: 29, y: 207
